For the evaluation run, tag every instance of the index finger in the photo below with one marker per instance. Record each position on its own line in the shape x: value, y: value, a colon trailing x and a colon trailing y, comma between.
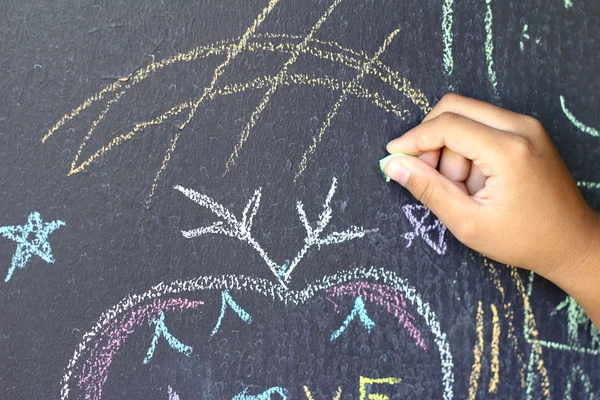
x: 473, y: 140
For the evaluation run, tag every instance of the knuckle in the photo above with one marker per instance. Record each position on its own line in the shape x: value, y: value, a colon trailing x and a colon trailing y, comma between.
x: 532, y: 125
x: 521, y: 147
x: 448, y: 118
x: 448, y: 98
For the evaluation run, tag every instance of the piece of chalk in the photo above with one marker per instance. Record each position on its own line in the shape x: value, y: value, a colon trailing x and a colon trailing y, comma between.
x: 384, y: 161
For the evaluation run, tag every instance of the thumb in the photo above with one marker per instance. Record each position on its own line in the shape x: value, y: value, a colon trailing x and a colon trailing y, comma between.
x: 449, y: 203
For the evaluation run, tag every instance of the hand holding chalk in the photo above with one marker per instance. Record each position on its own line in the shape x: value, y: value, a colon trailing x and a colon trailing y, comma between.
x: 502, y: 189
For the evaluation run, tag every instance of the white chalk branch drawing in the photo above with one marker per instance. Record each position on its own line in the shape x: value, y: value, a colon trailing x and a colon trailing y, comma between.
x: 229, y: 225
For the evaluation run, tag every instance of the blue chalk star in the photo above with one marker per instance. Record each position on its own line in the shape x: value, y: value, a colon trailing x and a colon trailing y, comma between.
x: 32, y: 239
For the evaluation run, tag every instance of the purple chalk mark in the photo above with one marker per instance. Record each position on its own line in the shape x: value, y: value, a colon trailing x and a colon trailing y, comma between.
x: 389, y: 298
x: 109, y: 340
x: 423, y: 230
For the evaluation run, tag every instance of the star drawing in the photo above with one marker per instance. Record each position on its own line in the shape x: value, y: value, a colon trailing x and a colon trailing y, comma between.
x: 32, y: 240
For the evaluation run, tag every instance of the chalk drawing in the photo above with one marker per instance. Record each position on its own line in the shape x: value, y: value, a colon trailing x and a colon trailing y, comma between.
x: 495, y: 362
x: 95, y: 338
x: 360, y: 311
x: 266, y: 395
x: 276, y: 83
x: 577, y: 374
x: 568, y: 4
x: 588, y: 185
x: 388, y: 298
x: 524, y: 36
x: 338, y: 394
x: 578, y: 124
x: 489, y: 48
x: 418, y: 216
x: 509, y: 318
x: 477, y: 352
x: 172, y: 394
x: 447, y: 36
x: 229, y: 226
x: 111, y: 335
x: 355, y: 83
x: 364, y: 382
x: 32, y: 240
x: 226, y: 300
x: 160, y: 329
x: 536, y: 369
x: 274, y: 43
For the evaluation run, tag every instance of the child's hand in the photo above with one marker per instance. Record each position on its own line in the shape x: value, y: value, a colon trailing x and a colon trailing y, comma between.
x: 503, y: 190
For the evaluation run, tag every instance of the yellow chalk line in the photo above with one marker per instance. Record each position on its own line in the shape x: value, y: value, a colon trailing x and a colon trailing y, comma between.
x: 338, y: 104
x: 163, y: 167
x: 477, y: 352
x: 231, y: 54
x: 509, y: 318
x: 495, y: 363
x: 530, y: 327
x: 338, y: 394
x: 277, y: 81
x: 258, y: 83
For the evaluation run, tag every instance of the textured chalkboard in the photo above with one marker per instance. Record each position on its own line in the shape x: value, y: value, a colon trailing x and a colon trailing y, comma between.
x: 191, y: 206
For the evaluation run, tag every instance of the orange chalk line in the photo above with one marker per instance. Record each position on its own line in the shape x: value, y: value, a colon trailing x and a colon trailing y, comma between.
x: 163, y: 167
x: 495, y: 363
x: 509, y: 318
x: 477, y: 352
x: 277, y: 81
x: 338, y: 104
x: 530, y: 330
x: 346, y: 56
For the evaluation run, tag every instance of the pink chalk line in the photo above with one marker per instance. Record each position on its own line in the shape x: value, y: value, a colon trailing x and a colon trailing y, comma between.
x: 389, y: 298
x: 95, y: 368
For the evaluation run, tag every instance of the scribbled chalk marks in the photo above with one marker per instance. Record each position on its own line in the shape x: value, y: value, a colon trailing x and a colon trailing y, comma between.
x: 524, y: 36
x: 110, y: 334
x: 389, y: 298
x: 281, y: 75
x: 489, y: 48
x: 338, y: 394
x: 568, y: 4
x: 588, y: 185
x: 161, y: 330
x: 32, y: 240
x: 358, y: 310
x: 420, y: 218
x: 251, y: 42
x: 266, y: 395
x: 578, y: 124
x: 230, y: 226
x: 355, y: 83
x: 94, y: 353
x: 227, y: 300
x: 364, y: 383
x: 447, y: 36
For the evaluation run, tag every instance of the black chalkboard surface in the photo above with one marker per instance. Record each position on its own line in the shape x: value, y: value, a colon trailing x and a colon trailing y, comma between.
x: 192, y: 208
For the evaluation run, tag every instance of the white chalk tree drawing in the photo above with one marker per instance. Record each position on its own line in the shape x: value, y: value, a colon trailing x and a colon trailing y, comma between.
x: 230, y: 225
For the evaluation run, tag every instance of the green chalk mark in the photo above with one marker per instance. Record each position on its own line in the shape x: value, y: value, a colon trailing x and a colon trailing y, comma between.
x: 489, y: 47
x: 568, y: 4
x: 384, y: 161
x: 589, y: 185
x: 580, y: 125
x: 447, y: 23
x: 524, y: 35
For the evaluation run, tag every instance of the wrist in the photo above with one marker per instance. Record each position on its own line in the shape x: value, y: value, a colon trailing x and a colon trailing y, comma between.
x: 579, y: 275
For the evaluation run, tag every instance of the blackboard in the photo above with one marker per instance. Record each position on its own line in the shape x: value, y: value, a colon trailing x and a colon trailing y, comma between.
x: 191, y: 205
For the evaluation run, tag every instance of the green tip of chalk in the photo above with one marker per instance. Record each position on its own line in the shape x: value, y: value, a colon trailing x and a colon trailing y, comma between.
x: 383, y: 162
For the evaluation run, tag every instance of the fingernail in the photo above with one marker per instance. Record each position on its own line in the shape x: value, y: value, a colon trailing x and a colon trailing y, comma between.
x: 396, y: 171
